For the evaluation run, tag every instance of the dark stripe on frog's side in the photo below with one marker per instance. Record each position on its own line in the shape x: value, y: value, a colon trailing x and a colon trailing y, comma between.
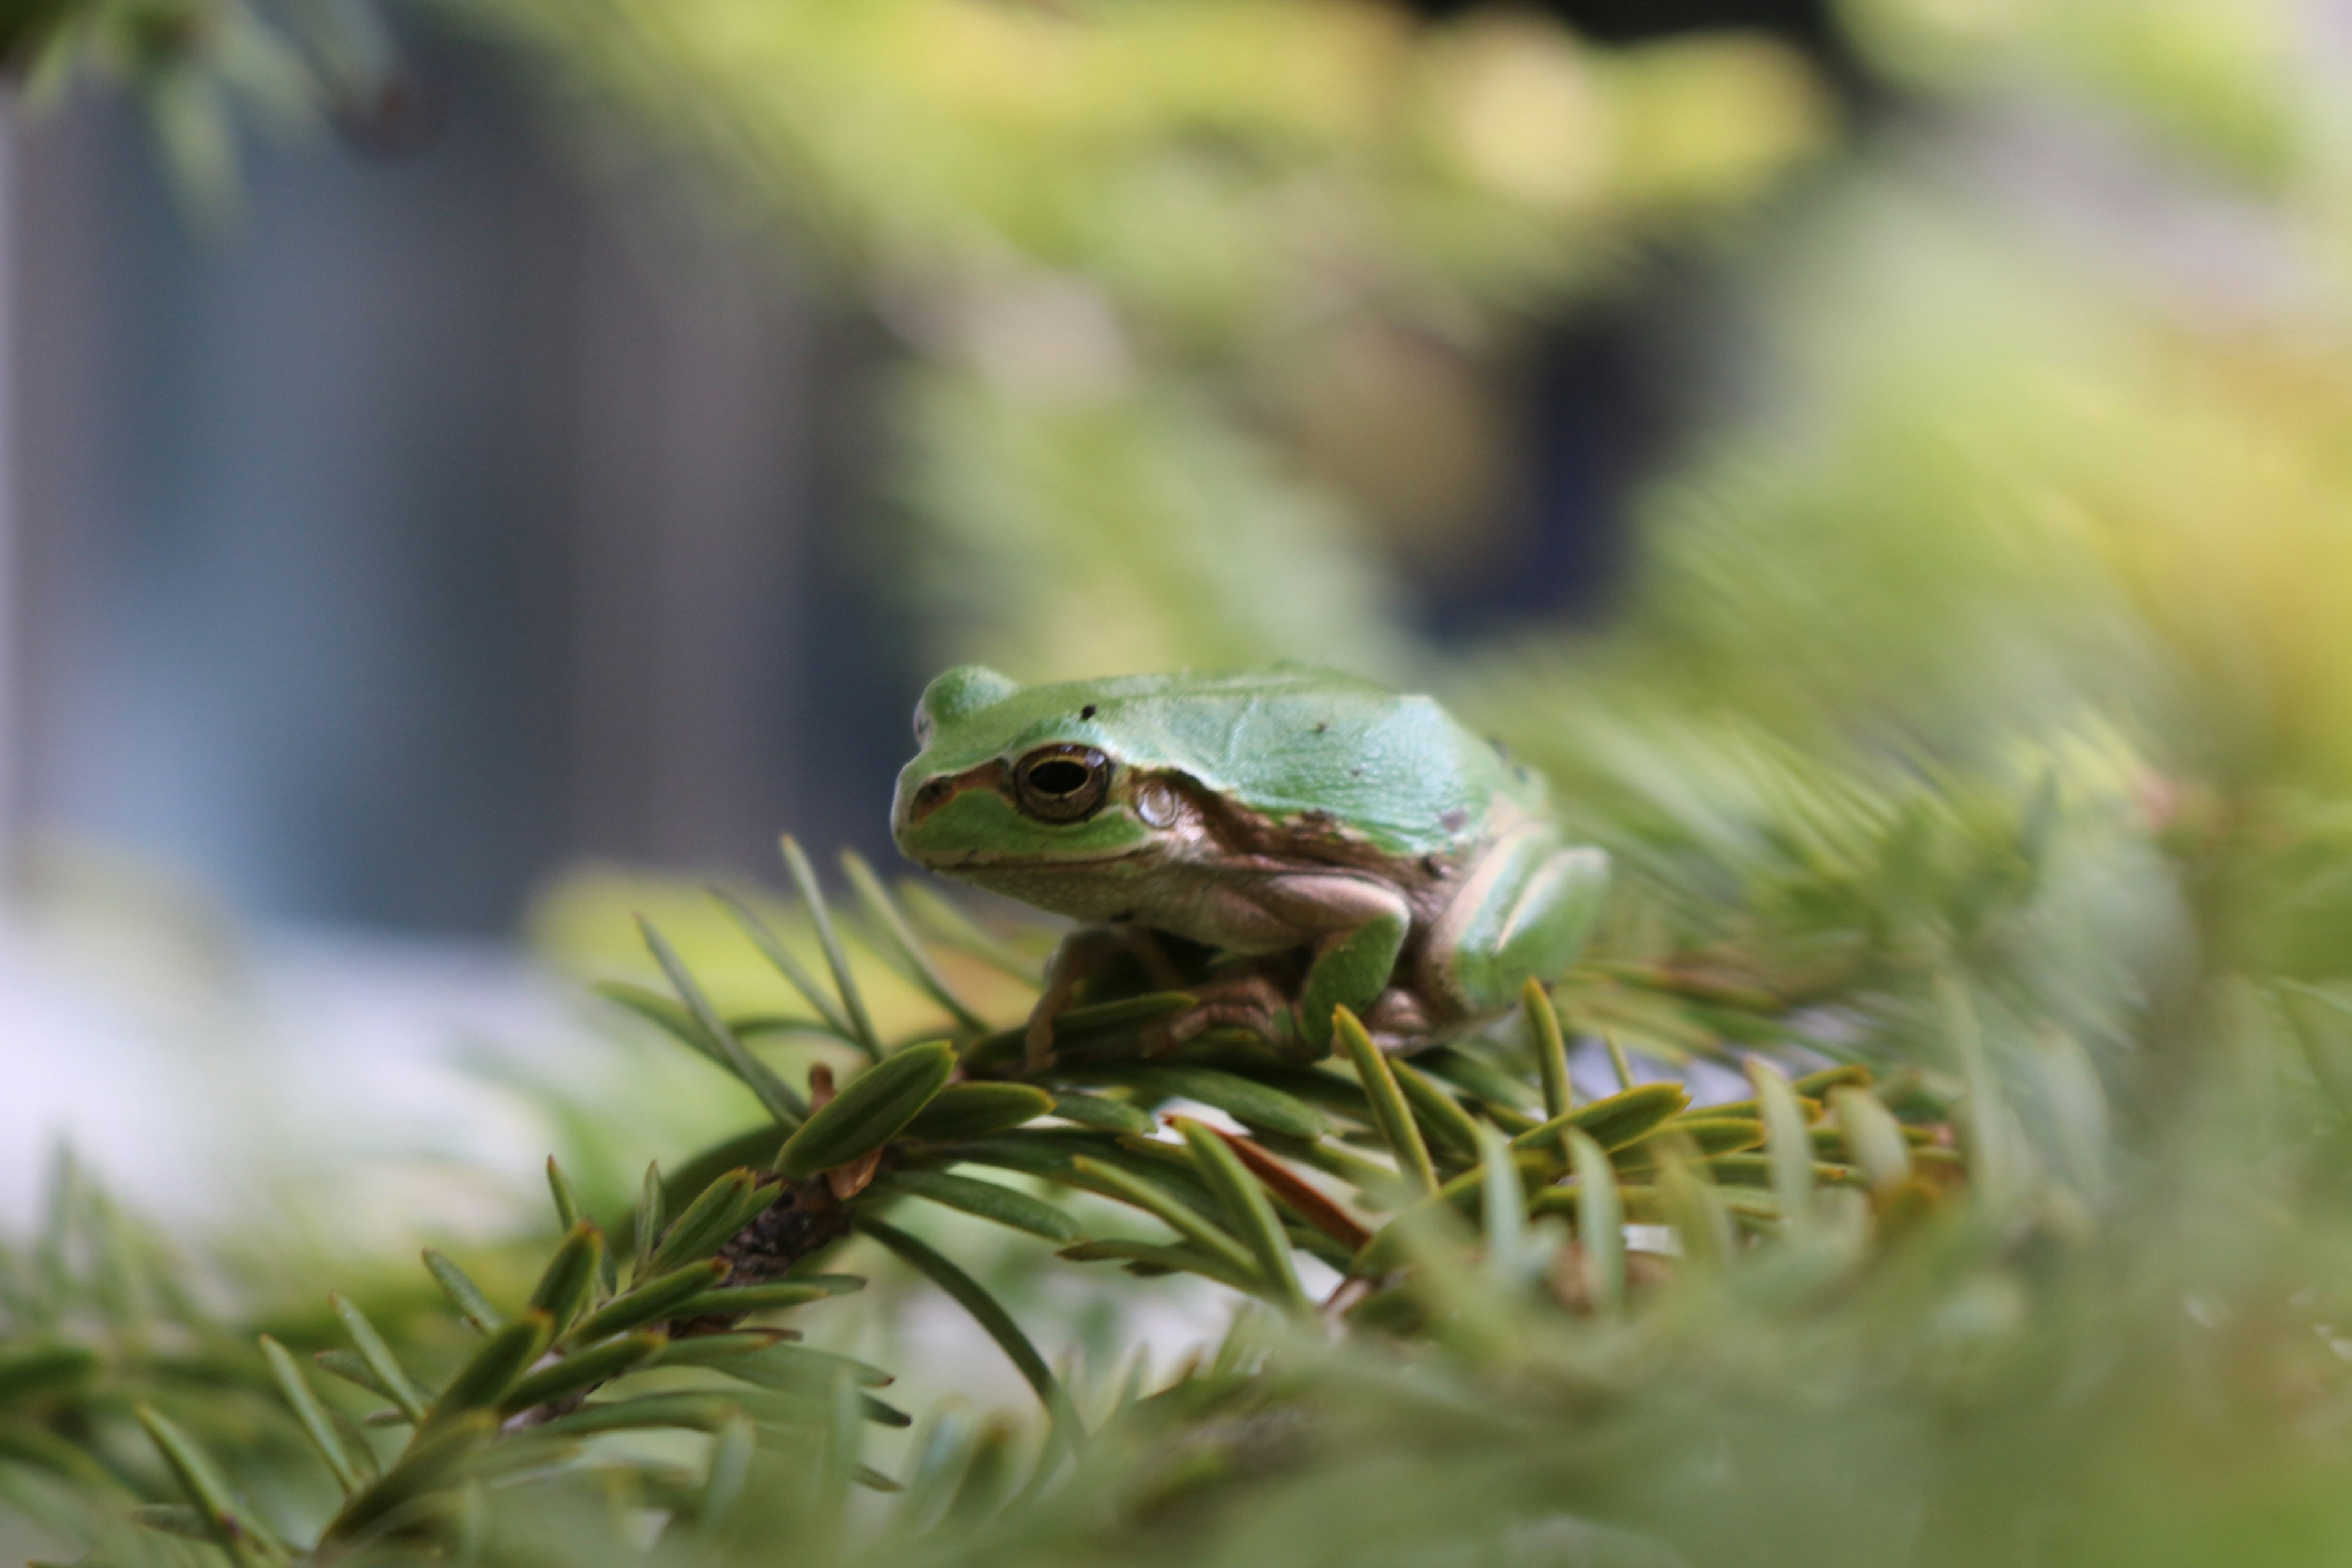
x: 1310, y: 840
x: 1315, y: 840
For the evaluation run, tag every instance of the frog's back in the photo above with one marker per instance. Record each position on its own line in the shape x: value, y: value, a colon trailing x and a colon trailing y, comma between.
x: 1295, y: 742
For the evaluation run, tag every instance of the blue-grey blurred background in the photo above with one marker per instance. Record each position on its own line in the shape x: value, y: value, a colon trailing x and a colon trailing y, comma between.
x: 444, y: 518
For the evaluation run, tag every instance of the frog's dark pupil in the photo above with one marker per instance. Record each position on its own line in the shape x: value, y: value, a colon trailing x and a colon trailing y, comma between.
x: 1058, y: 778
x: 1062, y: 782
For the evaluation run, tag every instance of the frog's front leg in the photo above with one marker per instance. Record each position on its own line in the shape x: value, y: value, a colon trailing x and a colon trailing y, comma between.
x: 1352, y: 965
x: 1354, y: 926
x: 1083, y: 954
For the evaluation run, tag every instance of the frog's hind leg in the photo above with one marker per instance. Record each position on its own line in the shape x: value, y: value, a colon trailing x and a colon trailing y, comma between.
x: 1351, y: 929
x: 1523, y: 913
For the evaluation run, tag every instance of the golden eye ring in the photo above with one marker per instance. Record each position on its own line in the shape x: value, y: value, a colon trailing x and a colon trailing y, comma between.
x: 1061, y: 783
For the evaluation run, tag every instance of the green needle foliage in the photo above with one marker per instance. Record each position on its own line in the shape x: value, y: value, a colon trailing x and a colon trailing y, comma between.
x: 1327, y: 1173
x: 1964, y: 1266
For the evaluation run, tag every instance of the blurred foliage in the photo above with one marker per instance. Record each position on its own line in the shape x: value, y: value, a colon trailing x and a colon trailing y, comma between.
x: 198, y: 66
x: 1944, y: 1302
x: 2231, y: 82
x: 1132, y: 250
x: 2051, y: 485
x: 1467, y: 1199
x: 1129, y: 251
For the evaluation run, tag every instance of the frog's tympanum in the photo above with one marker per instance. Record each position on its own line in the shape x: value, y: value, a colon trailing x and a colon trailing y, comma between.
x: 1278, y: 843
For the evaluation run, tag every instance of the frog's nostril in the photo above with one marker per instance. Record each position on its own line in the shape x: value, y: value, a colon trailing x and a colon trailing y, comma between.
x: 933, y: 795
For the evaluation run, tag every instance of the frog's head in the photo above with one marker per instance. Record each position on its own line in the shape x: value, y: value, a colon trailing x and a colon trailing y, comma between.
x: 1021, y: 778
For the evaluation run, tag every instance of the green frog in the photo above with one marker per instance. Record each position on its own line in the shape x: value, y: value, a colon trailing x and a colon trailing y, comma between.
x: 1326, y: 841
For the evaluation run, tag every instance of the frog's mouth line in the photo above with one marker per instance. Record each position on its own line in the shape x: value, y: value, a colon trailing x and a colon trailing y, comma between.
x: 979, y: 861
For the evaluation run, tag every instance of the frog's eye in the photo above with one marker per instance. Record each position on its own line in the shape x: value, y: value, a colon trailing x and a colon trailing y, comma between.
x: 1061, y: 783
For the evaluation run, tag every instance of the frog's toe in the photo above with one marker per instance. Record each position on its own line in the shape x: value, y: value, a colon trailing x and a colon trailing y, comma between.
x: 1399, y: 1022
x: 1254, y: 1005
x: 1037, y: 1039
x: 1165, y: 1036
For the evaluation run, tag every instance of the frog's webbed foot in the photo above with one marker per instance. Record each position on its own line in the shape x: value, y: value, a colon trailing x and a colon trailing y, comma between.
x: 1398, y: 1022
x: 1261, y: 1004
x: 1250, y: 1002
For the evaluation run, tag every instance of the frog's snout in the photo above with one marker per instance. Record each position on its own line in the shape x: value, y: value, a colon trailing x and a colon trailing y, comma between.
x: 911, y: 805
x: 922, y: 795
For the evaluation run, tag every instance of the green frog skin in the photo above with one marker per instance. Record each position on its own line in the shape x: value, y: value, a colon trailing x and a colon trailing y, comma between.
x: 1336, y: 844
